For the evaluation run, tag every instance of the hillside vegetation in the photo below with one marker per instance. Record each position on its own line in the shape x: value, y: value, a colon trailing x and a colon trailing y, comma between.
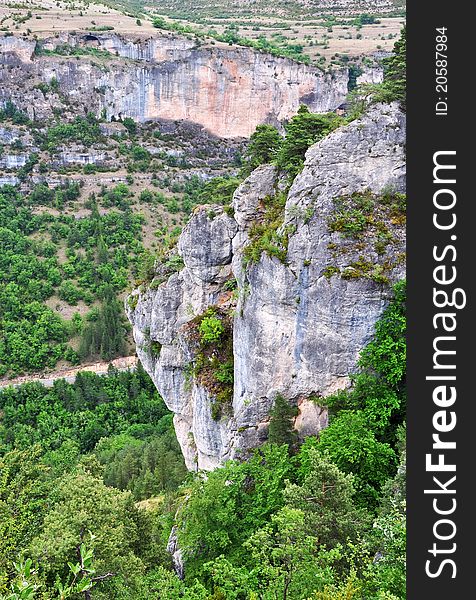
x: 291, y: 522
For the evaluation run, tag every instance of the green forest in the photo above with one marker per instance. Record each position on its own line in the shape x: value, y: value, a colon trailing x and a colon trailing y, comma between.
x: 99, y: 253
x: 93, y: 481
x: 48, y: 253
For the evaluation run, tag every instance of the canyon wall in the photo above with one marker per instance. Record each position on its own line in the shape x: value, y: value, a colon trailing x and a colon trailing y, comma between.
x: 228, y: 90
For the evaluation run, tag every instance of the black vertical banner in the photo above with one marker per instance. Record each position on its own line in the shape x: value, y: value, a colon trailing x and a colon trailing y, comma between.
x: 441, y: 303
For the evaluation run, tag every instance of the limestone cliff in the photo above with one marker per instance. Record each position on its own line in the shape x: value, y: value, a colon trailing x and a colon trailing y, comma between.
x: 228, y: 90
x: 297, y: 320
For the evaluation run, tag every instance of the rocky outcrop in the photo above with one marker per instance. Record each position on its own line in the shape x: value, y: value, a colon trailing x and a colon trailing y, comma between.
x: 8, y: 180
x: 298, y: 321
x: 228, y: 90
x: 82, y: 158
x: 13, y: 161
x: 14, y: 49
x: 176, y: 553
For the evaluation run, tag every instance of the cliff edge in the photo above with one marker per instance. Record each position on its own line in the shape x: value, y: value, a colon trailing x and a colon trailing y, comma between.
x: 228, y: 90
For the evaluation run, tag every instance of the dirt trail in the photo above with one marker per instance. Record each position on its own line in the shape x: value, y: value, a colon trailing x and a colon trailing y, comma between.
x: 100, y: 368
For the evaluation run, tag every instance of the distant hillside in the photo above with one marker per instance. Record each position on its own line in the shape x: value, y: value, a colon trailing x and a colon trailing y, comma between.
x: 282, y: 8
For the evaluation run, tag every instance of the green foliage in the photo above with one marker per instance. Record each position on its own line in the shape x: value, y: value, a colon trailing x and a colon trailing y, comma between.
x: 213, y: 363
x: 231, y: 36
x: 23, y: 499
x: 51, y: 495
x: 224, y: 372
x: 100, y: 252
x: 146, y: 467
x: 23, y: 588
x: 394, y: 85
x: 84, y: 130
x: 27, y: 168
x: 326, y: 498
x: 379, y: 387
x: 227, y: 507
x: 84, y: 503
x: 130, y: 125
x: 363, y: 432
x: 287, y: 563
x: 263, y: 147
x: 330, y: 270
x: 80, y: 579
x: 211, y: 329
x: 104, y: 335
x: 361, y: 211
x: 354, y: 72
x: 389, y: 534
x: 91, y: 408
x: 303, y: 130
x: 389, y: 572
x: 219, y: 190
x: 266, y: 234
x: 67, y: 50
x: 354, y: 448
x: 281, y: 423
x: 69, y: 293
x: 386, y: 353
x: 347, y: 590
x: 306, y: 540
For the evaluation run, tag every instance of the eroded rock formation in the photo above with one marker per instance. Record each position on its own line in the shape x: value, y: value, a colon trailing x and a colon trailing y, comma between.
x: 299, y: 322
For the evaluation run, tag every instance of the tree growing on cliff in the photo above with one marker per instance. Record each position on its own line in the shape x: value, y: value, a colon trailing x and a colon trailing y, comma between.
x: 263, y: 147
x: 303, y: 130
x: 394, y: 84
x: 281, y: 425
x: 395, y: 72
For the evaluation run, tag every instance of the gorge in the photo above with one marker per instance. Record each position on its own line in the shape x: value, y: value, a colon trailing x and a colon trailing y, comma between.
x: 202, y: 300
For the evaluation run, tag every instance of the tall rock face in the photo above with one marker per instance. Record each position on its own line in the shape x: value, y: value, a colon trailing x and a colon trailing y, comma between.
x: 227, y: 90
x: 298, y: 319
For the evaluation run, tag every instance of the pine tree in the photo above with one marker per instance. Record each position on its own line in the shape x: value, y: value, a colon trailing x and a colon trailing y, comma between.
x: 281, y: 430
x: 326, y: 498
x: 303, y: 130
x: 395, y: 71
x: 264, y: 144
x: 105, y: 335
